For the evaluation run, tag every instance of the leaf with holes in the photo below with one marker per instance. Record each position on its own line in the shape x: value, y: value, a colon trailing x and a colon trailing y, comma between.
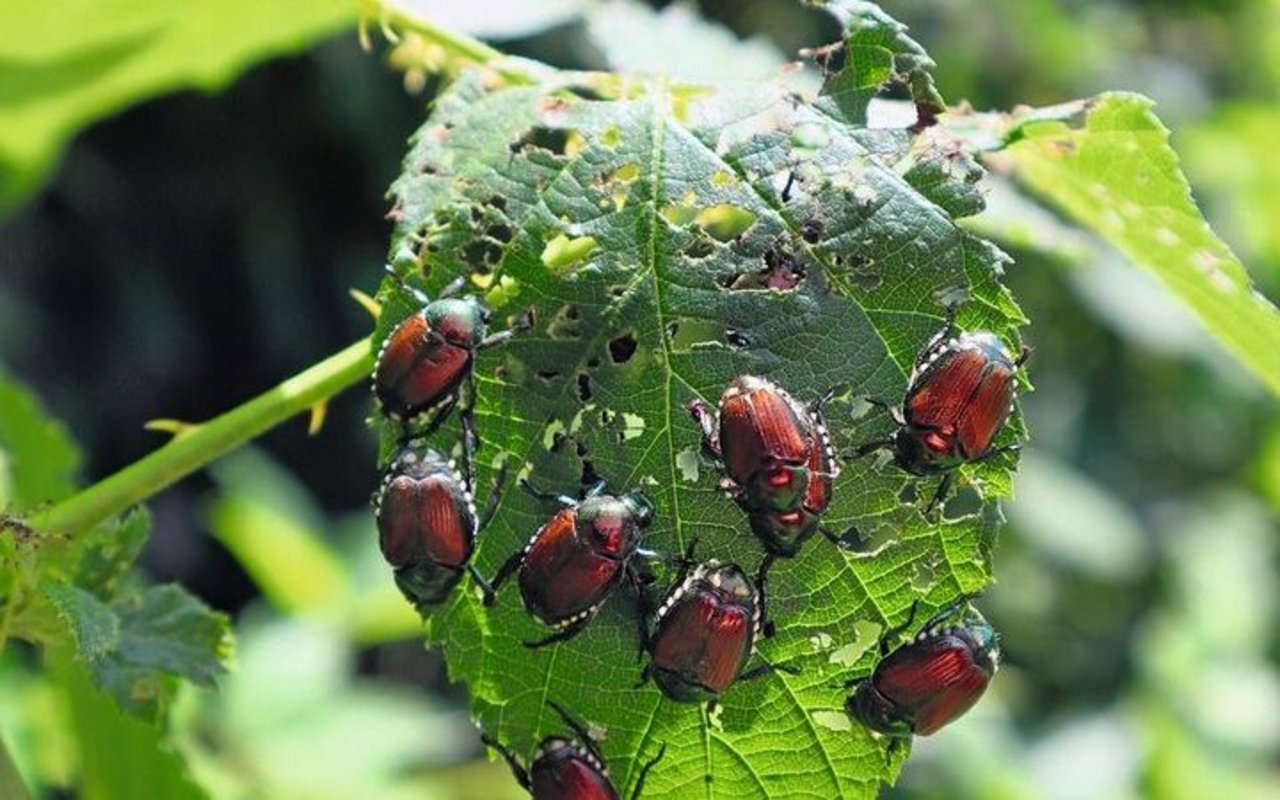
x: 668, y: 238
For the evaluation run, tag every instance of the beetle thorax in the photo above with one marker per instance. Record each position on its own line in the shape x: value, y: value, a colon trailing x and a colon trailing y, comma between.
x: 459, y: 320
x: 609, y: 526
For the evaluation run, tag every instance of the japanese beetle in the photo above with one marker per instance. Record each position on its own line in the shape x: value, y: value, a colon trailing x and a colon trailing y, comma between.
x: 425, y: 360
x: 575, y: 561
x: 776, y: 458
x: 958, y: 398
x: 704, y: 632
x: 931, y: 679
x: 427, y: 523
x: 568, y: 769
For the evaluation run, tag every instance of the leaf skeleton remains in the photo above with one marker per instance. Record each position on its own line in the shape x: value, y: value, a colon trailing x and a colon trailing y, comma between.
x: 777, y: 463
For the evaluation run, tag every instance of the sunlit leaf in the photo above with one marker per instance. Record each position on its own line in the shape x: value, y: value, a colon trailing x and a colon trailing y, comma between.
x: 666, y: 308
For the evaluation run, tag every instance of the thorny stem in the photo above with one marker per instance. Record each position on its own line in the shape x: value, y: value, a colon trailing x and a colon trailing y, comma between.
x: 203, y: 443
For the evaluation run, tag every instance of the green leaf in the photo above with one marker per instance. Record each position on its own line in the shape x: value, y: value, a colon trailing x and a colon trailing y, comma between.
x: 94, y: 627
x: 664, y: 310
x: 38, y: 459
x: 137, y: 645
x: 1108, y: 164
x: 876, y: 51
x: 119, y: 756
x: 110, y: 550
x: 678, y: 42
x: 68, y: 64
x: 268, y: 523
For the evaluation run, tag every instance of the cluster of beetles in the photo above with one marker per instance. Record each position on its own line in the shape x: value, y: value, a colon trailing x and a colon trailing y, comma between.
x: 777, y: 463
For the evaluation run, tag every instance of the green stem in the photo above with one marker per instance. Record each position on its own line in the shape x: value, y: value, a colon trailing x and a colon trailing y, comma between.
x: 11, y: 785
x: 201, y: 444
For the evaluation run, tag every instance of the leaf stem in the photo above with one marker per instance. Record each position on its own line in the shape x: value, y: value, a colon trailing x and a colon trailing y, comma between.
x: 11, y: 785
x: 203, y: 443
x: 456, y: 44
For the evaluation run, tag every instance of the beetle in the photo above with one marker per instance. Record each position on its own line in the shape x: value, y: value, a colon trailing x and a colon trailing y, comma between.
x: 959, y: 396
x: 425, y: 360
x: 704, y: 632
x: 930, y: 680
x: 427, y: 522
x: 575, y: 561
x: 568, y: 769
x: 776, y: 458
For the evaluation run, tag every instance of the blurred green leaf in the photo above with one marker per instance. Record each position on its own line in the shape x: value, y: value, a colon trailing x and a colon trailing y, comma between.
x: 639, y: 327
x: 876, y: 50
x: 1107, y: 163
x: 38, y: 459
x: 109, y: 552
x: 1232, y: 156
x: 94, y: 628
x: 120, y: 756
x: 275, y: 530
x: 495, y: 19
x: 137, y: 645
x: 293, y: 724
x: 65, y: 65
x: 677, y: 41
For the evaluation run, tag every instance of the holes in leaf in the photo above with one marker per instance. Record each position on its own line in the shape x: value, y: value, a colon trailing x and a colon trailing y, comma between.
x: 584, y: 92
x: 584, y: 387
x: 736, y: 338
x: 547, y: 375
x: 725, y: 222
x: 566, y: 324
x: 830, y: 59
x: 563, y: 254
x: 622, y: 348
x: 700, y: 247
x: 963, y: 502
x: 499, y: 232
x: 690, y: 331
x: 811, y: 230
x: 498, y: 202
x: 782, y: 272
x: 553, y: 140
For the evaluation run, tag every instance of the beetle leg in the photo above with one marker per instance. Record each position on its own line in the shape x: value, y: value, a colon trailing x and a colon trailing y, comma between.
x: 562, y: 635
x: 785, y: 195
x: 1023, y: 356
x: 419, y: 296
x: 705, y: 419
x: 491, y: 502
x: 524, y: 323
x: 996, y: 452
x: 868, y: 447
x: 644, y: 771
x: 467, y: 419
x: 521, y: 774
x: 585, y: 738
x: 944, y: 486
x: 485, y: 588
x: 645, y: 675
x: 895, y: 632
x: 507, y: 569
x: 438, y: 418
x: 762, y: 577
x: 767, y: 668
x: 542, y: 494
x: 454, y: 286
x: 949, y: 610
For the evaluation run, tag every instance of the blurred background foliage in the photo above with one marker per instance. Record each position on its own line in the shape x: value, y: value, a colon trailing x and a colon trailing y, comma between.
x: 194, y: 248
